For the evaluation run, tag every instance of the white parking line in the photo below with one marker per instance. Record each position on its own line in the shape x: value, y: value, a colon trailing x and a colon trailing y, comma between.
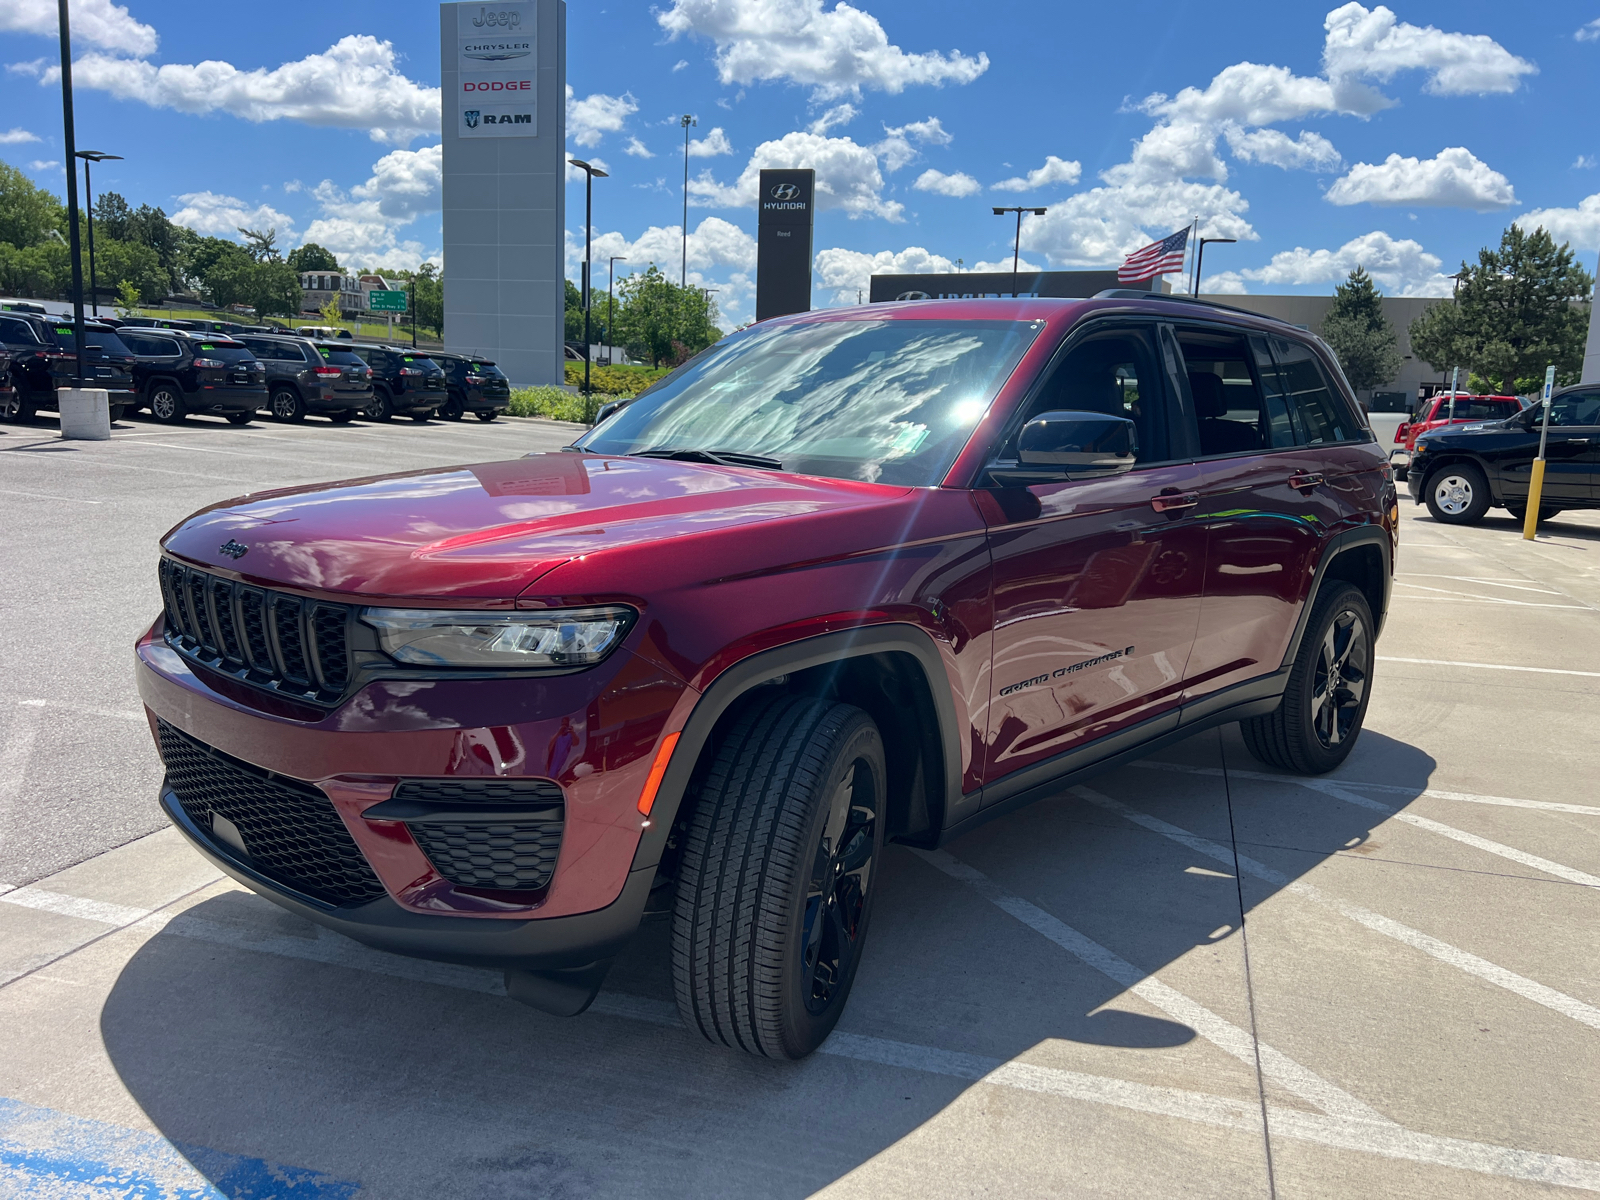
x: 1220, y: 1032
x: 1521, y: 585
x: 1392, y: 788
x: 87, y: 710
x: 44, y: 496
x: 1528, y: 989
x: 1442, y: 662
x: 1447, y: 596
x: 74, y: 906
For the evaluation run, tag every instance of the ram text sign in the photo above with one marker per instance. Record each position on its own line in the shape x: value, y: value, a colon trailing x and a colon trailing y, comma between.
x: 496, y: 56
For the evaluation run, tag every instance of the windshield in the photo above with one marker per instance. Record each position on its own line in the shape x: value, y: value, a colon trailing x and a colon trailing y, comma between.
x: 108, y: 342
x: 882, y: 401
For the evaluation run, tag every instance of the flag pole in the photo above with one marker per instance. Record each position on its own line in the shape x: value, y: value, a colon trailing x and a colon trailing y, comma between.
x: 1194, y: 234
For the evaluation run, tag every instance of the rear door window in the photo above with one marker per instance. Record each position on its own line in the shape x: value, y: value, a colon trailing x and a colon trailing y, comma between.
x: 1234, y: 412
x: 150, y: 346
x: 1318, y: 410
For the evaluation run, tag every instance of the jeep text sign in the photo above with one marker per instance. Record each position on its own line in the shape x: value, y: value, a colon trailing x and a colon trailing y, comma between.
x: 785, y: 208
x: 496, y: 61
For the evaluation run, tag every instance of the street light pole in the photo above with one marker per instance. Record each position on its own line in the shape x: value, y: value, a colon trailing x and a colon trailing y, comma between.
x: 92, y: 156
x: 1016, y: 248
x: 683, y: 279
x: 1200, y: 258
x: 611, y: 312
x: 72, y: 183
x: 590, y: 172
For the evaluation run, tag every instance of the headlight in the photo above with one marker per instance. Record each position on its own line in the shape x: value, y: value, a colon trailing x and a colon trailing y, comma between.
x: 574, y: 637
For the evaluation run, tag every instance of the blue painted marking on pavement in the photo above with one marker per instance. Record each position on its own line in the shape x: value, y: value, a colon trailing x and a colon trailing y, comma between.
x: 44, y: 1153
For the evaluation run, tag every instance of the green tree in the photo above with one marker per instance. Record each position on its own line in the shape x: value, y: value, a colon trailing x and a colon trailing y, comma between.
x: 263, y: 247
x: 661, y: 321
x: 27, y: 213
x: 112, y: 216
x: 429, y: 298
x: 1516, y: 311
x: 574, y: 321
x: 127, y: 299
x: 312, y: 257
x: 1358, y: 332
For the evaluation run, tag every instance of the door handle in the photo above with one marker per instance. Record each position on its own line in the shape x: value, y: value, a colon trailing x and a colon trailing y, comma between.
x: 1174, y: 501
x: 1306, y: 481
x: 1577, y: 441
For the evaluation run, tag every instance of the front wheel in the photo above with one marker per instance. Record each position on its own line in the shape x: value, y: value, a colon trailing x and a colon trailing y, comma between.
x: 343, y: 417
x: 486, y: 415
x: 166, y: 404
x: 775, y: 884
x: 423, y: 416
x: 1325, y: 702
x: 242, y: 418
x: 1457, y: 495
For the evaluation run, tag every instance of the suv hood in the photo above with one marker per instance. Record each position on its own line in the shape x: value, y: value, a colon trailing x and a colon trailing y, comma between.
x: 487, y: 531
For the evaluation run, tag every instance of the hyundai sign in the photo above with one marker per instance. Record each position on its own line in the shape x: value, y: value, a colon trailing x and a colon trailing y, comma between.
x: 783, y: 242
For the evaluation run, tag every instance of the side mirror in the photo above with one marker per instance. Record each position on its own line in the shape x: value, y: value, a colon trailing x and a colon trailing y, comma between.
x: 1064, y: 445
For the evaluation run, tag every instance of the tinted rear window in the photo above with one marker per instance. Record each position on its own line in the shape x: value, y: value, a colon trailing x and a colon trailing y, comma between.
x: 413, y: 360
x: 228, y: 352
x: 340, y: 358
x: 108, y: 342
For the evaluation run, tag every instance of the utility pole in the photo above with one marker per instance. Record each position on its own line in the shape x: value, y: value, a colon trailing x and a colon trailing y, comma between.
x: 72, y: 184
x: 591, y: 173
x: 687, y: 122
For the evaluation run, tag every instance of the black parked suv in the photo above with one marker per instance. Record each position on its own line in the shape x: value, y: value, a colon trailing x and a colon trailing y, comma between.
x: 474, y: 385
x: 177, y: 373
x: 44, y: 358
x: 403, y: 381
x: 1462, y: 471
x: 306, y: 377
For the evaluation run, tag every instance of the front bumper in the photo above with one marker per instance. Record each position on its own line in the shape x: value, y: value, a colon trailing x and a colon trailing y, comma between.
x: 598, y: 750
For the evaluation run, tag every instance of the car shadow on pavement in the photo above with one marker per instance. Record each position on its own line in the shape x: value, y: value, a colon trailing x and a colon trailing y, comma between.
x: 247, y: 1030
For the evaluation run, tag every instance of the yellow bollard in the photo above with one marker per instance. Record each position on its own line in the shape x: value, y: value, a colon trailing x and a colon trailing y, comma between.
x: 1530, y: 522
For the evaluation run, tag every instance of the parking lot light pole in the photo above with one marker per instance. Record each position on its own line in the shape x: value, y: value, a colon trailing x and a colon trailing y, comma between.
x: 687, y: 122
x: 72, y: 185
x: 590, y: 174
x: 1530, y: 519
x: 1200, y: 258
x: 611, y: 312
x: 1016, y: 247
x: 92, y: 156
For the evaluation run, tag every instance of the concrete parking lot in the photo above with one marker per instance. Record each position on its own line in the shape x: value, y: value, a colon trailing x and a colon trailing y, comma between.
x: 1190, y: 977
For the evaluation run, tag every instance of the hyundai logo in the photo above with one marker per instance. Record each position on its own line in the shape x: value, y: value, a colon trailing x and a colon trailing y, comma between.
x: 785, y: 191
x: 233, y: 549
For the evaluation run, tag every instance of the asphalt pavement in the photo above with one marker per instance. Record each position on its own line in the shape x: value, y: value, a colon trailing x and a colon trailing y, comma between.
x: 1192, y: 976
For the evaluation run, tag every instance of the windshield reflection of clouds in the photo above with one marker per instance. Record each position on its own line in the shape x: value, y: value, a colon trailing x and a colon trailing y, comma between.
x: 883, y: 401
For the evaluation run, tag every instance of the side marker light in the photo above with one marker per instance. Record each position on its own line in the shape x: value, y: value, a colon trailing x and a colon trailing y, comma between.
x: 658, y: 768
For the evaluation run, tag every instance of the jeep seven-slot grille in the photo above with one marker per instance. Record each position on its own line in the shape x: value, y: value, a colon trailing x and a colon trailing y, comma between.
x: 290, y: 829
x: 288, y: 644
x: 518, y: 854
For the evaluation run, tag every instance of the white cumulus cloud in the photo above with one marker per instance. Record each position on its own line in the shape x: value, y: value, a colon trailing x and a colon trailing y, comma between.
x: 839, y: 114
x: 1101, y: 226
x: 847, y: 271
x: 97, y: 22
x: 714, y: 143
x: 848, y: 177
x: 837, y: 52
x: 721, y: 257
x: 1453, y: 178
x: 16, y: 136
x: 1580, y: 225
x: 897, y: 149
x: 1401, y: 267
x: 1376, y: 44
x: 43, y: 164
x: 1589, y: 32
x: 354, y: 84
x: 590, y: 119
x: 217, y: 215
x: 638, y: 149
x: 1310, y: 151
x: 1054, y: 171
x: 958, y: 184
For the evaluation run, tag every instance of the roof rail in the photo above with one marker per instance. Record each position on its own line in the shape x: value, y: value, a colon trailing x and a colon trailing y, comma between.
x: 1181, y: 298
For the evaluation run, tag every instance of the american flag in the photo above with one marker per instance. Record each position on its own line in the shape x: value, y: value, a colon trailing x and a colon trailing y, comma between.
x: 1157, y: 258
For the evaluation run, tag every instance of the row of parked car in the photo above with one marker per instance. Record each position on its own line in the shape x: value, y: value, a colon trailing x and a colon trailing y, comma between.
x: 175, y: 370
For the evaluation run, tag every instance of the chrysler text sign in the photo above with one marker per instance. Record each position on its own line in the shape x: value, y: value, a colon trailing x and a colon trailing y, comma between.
x: 495, y: 55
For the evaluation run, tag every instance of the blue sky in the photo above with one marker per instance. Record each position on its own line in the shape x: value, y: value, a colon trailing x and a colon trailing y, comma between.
x: 1403, y: 138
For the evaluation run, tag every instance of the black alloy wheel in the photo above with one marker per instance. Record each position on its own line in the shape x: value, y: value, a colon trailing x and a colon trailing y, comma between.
x: 15, y: 408
x: 166, y: 404
x: 454, y: 407
x: 380, y: 407
x: 288, y: 405
x: 1324, y: 703
x: 343, y: 416
x: 774, y: 891
x: 1457, y: 494
x: 241, y: 418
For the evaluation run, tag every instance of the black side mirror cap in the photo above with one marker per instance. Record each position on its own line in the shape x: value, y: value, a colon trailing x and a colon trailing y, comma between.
x: 1065, y: 445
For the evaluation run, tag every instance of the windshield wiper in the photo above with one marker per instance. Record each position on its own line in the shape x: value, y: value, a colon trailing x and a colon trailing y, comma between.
x: 721, y: 458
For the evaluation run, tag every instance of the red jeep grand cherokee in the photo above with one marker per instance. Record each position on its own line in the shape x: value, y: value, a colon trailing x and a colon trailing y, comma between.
x: 870, y: 574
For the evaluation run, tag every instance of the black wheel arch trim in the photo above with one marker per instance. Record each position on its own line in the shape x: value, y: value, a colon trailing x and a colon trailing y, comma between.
x: 1341, y: 543
x: 752, y: 672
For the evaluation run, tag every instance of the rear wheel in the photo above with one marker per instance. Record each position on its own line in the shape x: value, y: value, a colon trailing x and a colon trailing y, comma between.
x: 775, y: 885
x: 379, y: 408
x: 343, y: 417
x: 288, y: 405
x: 1457, y: 494
x: 1520, y: 511
x: 487, y: 414
x: 241, y: 418
x: 166, y: 404
x: 116, y: 413
x: 420, y: 417
x: 1325, y: 703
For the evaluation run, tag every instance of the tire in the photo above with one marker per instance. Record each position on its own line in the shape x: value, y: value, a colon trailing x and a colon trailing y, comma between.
x: 1520, y: 511
x: 1457, y: 494
x: 763, y: 954
x: 116, y: 411
x: 241, y: 418
x: 1316, y: 726
x: 343, y: 416
x: 454, y: 408
x: 486, y: 415
x: 421, y: 417
x: 379, y: 408
x: 166, y: 404
x: 287, y: 405
x: 15, y: 407
x: 1401, y: 474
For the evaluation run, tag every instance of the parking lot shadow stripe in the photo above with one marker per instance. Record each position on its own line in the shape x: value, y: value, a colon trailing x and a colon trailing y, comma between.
x: 48, y: 1153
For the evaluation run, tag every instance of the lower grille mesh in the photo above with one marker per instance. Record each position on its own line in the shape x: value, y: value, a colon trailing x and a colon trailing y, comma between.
x: 290, y: 829
x: 518, y: 857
